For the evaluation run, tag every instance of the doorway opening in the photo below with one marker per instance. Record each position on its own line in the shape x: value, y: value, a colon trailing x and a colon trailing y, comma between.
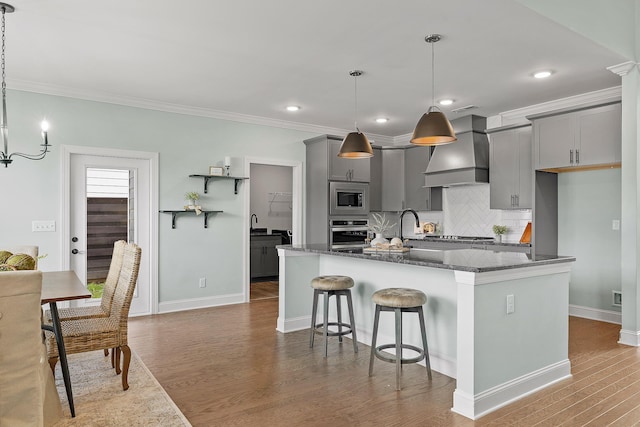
x: 270, y: 225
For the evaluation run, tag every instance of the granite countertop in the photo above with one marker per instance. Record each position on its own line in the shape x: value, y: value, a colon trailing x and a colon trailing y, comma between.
x: 436, y: 238
x: 472, y: 260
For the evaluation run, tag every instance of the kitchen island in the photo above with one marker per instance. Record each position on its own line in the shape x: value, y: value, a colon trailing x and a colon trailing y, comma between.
x: 495, y: 356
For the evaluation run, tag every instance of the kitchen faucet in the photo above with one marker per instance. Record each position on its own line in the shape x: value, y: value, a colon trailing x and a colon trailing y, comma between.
x: 251, y: 221
x: 414, y: 214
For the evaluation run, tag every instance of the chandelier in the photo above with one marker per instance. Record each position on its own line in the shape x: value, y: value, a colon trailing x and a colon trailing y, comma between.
x: 5, y: 156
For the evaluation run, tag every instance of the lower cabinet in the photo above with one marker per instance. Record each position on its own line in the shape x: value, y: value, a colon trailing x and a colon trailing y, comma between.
x: 264, y: 255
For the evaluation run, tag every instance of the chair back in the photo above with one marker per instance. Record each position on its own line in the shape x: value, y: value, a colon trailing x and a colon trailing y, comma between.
x: 126, y: 286
x: 21, y: 349
x: 113, y: 275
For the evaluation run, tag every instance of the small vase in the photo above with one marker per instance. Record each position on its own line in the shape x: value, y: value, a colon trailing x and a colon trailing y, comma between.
x: 379, y: 239
x: 499, y: 238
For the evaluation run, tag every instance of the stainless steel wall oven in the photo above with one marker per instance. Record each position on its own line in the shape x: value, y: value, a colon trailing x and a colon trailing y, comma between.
x: 348, y: 232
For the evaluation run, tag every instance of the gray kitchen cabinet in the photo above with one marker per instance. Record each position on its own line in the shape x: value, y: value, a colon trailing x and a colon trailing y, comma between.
x: 510, y: 168
x: 345, y: 169
x: 375, y: 184
x: 264, y: 255
x: 397, y: 180
x: 416, y: 196
x: 586, y: 137
x: 393, y: 180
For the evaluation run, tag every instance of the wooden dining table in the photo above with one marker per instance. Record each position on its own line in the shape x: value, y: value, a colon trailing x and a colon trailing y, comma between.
x: 61, y: 286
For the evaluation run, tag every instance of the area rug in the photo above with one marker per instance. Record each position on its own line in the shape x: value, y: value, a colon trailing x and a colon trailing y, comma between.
x: 100, y: 401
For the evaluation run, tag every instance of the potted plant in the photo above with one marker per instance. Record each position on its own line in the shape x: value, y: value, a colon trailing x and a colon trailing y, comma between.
x: 379, y: 225
x: 193, y: 198
x: 499, y: 230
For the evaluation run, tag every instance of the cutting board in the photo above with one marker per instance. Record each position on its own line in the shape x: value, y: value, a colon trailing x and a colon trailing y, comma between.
x: 526, y: 235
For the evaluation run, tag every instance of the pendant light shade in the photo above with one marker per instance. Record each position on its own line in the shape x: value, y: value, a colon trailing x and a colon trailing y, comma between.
x: 355, y: 145
x: 433, y: 127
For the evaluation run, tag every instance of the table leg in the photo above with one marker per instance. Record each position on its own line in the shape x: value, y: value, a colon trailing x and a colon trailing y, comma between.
x: 57, y: 330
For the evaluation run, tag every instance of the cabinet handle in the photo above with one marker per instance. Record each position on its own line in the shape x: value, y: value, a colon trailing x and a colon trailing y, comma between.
x: 570, y: 157
x: 577, y: 156
x: 517, y: 197
x: 512, y: 200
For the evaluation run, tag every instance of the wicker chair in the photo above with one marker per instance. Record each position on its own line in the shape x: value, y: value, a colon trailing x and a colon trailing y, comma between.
x: 102, y: 333
x: 104, y: 309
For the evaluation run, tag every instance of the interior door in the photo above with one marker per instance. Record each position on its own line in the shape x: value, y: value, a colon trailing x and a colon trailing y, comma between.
x: 110, y: 200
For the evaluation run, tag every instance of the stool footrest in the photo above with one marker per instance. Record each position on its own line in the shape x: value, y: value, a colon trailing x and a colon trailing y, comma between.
x: 392, y: 359
x: 319, y: 329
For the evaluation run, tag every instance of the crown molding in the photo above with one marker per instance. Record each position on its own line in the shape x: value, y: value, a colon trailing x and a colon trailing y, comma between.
x: 599, y: 96
x: 624, y: 68
x: 26, y: 86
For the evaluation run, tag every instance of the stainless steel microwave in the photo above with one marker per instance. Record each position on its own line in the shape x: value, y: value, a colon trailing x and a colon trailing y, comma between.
x: 348, y: 198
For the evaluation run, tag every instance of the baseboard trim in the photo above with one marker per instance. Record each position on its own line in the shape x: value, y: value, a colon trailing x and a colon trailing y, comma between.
x: 631, y: 338
x: 490, y: 400
x: 292, y: 325
x: 607, y: 316
x: 195, y: 303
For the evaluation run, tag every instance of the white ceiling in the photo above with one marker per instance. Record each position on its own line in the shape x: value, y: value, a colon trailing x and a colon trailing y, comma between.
x: 254, y: 57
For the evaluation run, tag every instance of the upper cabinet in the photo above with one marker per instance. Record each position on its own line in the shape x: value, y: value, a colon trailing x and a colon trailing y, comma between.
x: 584, y: 138
x: 344, y: 169
x: 510, y: 168
x: 397, y: 180
x: 375, y: 184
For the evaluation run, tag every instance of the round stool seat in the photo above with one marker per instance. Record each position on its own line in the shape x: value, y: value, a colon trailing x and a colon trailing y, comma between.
x: 332, y: 283
x: 399, y: 297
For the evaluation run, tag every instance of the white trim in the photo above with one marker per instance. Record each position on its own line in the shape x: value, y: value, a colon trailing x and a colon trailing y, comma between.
x: 296, y: 214
x: 148, y: 104
x: 292, y: 325
x: 631, y: 338
x: 623, y: 69
x: 195, y: 303
x: 471, y: 278
x: 501, y: 395
x: 65, y: 245
x: 519, y: 115
x: 608, y: 316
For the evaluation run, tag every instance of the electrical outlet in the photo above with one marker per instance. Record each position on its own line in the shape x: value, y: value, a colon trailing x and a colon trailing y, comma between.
x: 615, y: 224
x: 511, y: 304
x: 418, y: 230
x: 38, y: 226
x: 617, y: 299
x: 203, y: 282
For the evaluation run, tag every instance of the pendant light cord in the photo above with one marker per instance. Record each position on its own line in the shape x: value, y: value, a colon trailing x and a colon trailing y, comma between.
x: 433, y: 76
x: 3, y: 123
x: 355, y: 92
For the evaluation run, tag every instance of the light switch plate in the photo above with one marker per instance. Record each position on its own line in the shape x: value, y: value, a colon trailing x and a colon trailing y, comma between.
x: 615, y: 224
x: 38, y: 226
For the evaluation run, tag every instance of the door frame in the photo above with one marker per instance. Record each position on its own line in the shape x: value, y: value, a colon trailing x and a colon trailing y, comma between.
x: 65, y: 214
x: 297, y: 228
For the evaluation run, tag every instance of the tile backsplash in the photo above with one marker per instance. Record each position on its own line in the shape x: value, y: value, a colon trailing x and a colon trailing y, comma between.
x: 467, y: 213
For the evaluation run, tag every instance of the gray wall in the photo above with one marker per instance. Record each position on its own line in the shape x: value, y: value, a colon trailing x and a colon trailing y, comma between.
x: 587, y: 204
x: 273, y: 208
x: 186, y: 145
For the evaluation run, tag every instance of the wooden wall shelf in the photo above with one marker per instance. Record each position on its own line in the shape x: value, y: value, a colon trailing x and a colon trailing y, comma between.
x: 237, y: 180
x: 175, y: 213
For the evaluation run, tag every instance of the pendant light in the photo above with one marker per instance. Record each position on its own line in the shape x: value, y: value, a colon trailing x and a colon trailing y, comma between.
x: 5, y: 156
x: 433, y: 127
x: 356, y: 145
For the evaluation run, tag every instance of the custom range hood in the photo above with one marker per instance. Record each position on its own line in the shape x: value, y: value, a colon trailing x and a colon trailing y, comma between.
x: 463, y: 162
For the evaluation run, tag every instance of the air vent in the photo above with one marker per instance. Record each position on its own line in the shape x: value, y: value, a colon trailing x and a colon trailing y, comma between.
x: 461, y: 109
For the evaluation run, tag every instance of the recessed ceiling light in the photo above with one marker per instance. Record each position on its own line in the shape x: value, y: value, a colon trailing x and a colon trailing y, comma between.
x: 292, y: 108
x: 382, y: 120
x: 542, y: 74
x: 446, y: 101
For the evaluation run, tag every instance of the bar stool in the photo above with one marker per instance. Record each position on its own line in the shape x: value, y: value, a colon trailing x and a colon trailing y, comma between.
x: 399, y: 300
x: 332, y: 286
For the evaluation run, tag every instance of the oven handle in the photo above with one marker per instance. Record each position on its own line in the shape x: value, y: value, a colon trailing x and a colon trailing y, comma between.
x: 363, y: 228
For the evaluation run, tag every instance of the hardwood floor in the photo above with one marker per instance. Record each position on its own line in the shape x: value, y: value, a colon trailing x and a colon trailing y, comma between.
x: 228, y: 366
x: 264, y: 289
